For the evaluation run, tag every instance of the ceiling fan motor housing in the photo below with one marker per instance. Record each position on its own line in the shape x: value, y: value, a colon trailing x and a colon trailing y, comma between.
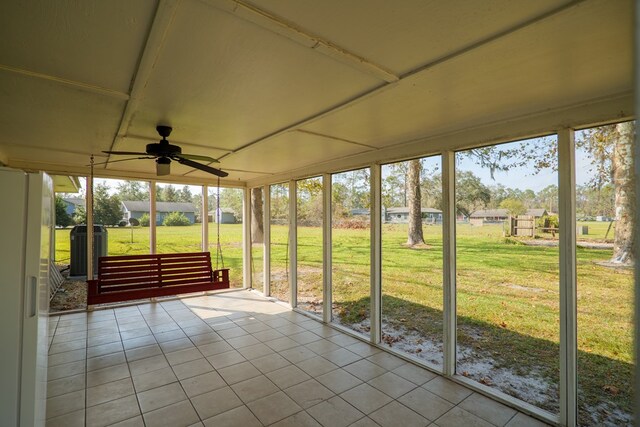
x: 163, y: 149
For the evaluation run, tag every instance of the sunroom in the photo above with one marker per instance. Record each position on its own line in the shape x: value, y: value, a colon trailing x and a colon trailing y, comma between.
x: 426, y: 210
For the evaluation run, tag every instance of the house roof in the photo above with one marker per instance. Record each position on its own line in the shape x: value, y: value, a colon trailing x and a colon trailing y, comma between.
x: 402, y: 210
x: 74, y: 201
x: 142, y: 206
x: 492, y: 213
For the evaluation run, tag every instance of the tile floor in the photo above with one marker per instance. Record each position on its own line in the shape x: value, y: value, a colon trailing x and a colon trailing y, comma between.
x: 237, y: 359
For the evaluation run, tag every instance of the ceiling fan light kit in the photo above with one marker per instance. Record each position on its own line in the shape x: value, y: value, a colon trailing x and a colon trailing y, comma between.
x: 164, y: 152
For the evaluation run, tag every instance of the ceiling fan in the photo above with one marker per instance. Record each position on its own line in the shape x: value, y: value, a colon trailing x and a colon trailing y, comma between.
x: 164, y: 152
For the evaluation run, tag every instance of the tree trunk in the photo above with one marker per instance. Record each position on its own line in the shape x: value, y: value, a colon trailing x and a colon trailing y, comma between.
x: 623, y: 181
x: 414, y: 198
x: 257, y: 224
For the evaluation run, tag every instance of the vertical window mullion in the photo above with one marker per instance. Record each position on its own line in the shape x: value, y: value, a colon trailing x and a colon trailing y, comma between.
x: 449, y: 261
x: 376, y: 254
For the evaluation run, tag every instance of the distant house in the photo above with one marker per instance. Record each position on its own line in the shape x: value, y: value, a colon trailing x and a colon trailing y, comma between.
x: 401, y: 215
x: 500, y: 215
x: 226, y: 216
x: 72, y: 204
x: 135, y: 209
x: 360, y: 212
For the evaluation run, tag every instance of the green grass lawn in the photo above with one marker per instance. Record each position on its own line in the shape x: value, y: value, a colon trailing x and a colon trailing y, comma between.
x: 508, y: 294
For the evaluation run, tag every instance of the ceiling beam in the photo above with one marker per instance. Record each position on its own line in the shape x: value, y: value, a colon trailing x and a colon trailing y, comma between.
x: 596, y: 112
x: 159, y: 28
x: 423, y: 68
x: 75, y: 84
x: 298, y: 35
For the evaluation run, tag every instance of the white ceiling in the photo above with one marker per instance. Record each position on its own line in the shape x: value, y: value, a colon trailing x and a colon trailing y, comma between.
x: 275, y: 86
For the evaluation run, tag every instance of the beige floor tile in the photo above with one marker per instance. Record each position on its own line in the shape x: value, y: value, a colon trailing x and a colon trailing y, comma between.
x: 135, y: 333
x: 522, y: 420
x: 426, y: 403
x: 109, y: 391
x: 301, y: 419
x: 149, y: 364
x: 270, y: 362
x: 176, y: 345
x: 144, y: 341
x: 66, y: 370
x: 459, y: 417
x: 205, y: 338
x: 254, y: 351
x: 254, y: 388
x: 335, y: 412
x: 154, y: 379
x: 179, y: 414
x: 72, y: 419
x: 273, y: 408
x: 305, y: 337
x: 366, y: 422
x: 232, y: 332
x: 228, y: 358
x: 103, y: 339
x: 363, y: 349
x: 112, y: 412
x: 105, y: 361
x: 297, y: 354
x: 487, y: 409
x: 131, y: 422
x: 392, y: 384
x: 183, y: 356
x: 280, y: 344
x: 192, y: 368
x: 365, y: 370
x: 338, y: 380
x: 239, y: 372
x: 341, y: 357
x: 58, y: 338
x: 67, y: 346
x: 343, y: 340
x: 67, y: 357
x: 65, y: 404
x: 386, y: 360
x: 448, y: 390
x: 240, y: 416
x: 143, y: 352
x: 170, y: 336
x: 365, y: 398
x: 101, y: 350
x: 414, y: 374
x: 316, y: 366
x: 322, y: 346
x: 164, y: 327
x: 159, y: 397
x: 106, y: 375
x: 394, y: 413
x: 213, y: 348
x: 268, y: 335
x: 202, y: 383
x: 215, y: 402
x: 309, y: 393
x: 287, y: 376
x: 65, y: 385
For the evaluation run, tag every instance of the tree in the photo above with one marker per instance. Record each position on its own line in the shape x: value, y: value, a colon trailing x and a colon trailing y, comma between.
x: 471, y: 193
x: 107, y: 209
x: 63, y: 219
x: 415, y: 236
x: 611, y: 149
x: 133, y: 190
x: 257, y: 223
x: 514, y: 207
x: 623, y: 182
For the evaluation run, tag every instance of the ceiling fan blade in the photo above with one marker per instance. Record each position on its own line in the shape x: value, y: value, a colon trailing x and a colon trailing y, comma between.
x: 202, y: 167
x: 121, y: 160
x: 125, y: 153
x: 197, y: 157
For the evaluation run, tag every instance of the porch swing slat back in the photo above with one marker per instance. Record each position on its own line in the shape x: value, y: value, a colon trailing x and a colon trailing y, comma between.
x: 130, y: 277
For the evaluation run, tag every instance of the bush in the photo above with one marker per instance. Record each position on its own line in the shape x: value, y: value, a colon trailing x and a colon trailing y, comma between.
x: 176, y: 219
x: 548, y: 221
x: 144, y: 220
x: 122, y: 223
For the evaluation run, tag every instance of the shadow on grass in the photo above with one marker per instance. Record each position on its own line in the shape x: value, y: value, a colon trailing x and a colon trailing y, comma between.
x: 605, y: 384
